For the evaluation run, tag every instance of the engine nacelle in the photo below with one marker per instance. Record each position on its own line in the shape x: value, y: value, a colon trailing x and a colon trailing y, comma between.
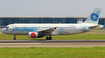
x: 33, y: 34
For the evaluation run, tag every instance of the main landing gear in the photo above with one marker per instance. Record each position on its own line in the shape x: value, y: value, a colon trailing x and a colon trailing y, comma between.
x: 14, y: 37
x: 49, y: 38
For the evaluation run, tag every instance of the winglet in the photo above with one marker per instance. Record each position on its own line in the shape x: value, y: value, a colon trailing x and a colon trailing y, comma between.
x: 55, y: 28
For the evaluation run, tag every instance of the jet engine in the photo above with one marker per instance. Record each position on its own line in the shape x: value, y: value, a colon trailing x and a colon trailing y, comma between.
x: 33, y: 34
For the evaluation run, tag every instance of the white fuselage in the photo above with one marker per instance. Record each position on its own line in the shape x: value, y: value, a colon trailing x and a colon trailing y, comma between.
x: 24, y: 29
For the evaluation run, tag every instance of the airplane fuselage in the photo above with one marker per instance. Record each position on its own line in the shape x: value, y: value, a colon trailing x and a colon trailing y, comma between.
x: 24, y: 29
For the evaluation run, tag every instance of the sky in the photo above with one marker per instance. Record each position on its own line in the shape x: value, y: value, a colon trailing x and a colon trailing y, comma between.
x: 50, y: 7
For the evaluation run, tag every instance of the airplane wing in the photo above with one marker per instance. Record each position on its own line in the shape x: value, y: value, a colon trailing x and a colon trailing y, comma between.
x: 92, y: 27
x: 95, y: 27
x: 46, y: 30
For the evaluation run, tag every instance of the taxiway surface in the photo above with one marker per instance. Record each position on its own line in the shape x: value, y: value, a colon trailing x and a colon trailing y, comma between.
x: 52, y: 43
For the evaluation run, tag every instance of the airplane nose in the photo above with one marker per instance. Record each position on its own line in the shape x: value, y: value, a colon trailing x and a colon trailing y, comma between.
x: 2, y: 30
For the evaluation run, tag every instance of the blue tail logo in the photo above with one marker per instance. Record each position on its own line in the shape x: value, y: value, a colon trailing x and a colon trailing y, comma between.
x: 94, y: 17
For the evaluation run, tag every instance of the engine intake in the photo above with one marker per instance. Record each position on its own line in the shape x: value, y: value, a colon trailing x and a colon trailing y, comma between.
x: 33, y: 34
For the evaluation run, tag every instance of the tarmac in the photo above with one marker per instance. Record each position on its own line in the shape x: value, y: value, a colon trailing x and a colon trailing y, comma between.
x: 52, y: 43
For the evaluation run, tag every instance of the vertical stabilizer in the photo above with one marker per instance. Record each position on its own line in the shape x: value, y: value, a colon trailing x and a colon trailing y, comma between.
x: 94, y: 17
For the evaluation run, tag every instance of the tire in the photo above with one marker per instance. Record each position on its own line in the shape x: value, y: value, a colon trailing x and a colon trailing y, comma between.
x: 50, y: 38
x: 47, y: 38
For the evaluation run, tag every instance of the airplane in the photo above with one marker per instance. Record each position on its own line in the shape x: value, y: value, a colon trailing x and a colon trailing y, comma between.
x: 40, y: 30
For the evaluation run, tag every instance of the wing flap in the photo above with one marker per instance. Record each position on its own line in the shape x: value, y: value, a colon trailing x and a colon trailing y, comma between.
x: 93, y: 27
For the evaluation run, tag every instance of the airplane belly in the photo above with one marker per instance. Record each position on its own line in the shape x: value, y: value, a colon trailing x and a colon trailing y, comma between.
x: 23, y: 33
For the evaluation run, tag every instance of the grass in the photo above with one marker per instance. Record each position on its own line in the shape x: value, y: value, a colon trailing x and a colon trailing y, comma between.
x: 83, y: 36
x: 54, y: 52
x: 98, y: 31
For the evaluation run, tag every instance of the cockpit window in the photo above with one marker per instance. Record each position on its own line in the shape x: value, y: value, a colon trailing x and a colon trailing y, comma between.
x: 7, y: 27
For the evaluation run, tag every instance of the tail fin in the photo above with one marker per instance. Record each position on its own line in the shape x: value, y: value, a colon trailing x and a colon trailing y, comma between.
x: 94, y: 17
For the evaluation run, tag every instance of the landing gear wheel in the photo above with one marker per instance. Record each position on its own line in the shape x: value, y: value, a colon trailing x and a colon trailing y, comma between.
x: 14, y: 37
x: 49, y: 38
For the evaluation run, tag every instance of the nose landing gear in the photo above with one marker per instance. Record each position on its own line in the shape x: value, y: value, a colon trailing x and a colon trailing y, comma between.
x: 14, y: 37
